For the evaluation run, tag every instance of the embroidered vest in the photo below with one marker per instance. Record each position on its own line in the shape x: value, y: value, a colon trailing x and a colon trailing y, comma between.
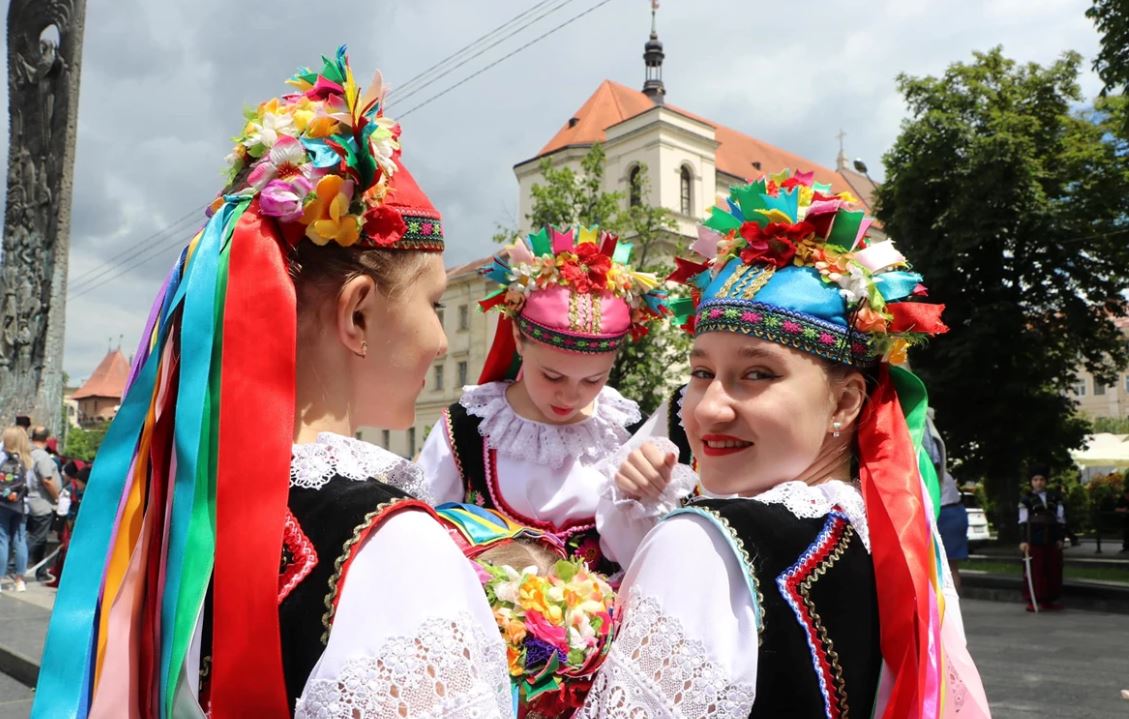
x: 477, y: 463
x: 819, y: 642
x: 1041, y: 527
x: 324, y: 530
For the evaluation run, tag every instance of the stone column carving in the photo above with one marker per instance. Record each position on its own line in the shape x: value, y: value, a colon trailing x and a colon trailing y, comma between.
x: 44, y: 60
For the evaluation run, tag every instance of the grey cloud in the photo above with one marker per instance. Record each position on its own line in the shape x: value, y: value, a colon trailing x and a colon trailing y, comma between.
x: 164, y: 85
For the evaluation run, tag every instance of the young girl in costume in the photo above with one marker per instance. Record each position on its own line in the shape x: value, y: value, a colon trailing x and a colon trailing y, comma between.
x: 238, y: 551
x: 529, y: 447
x: 820, y: 589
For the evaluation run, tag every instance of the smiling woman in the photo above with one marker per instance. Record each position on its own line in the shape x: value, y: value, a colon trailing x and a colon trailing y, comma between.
x: 834, y: 580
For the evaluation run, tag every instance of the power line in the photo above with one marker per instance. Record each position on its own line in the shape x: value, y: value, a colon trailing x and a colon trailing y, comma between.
x: 504, y: 57
x: 82, y: 277
x: 466, y: 47
x: 144, y: 257
x: 432, y: 81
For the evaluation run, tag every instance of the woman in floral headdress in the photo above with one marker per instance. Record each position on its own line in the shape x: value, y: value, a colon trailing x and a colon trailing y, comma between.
x: 528, y: 439
x: 239, y: 554
x: 820, y: 588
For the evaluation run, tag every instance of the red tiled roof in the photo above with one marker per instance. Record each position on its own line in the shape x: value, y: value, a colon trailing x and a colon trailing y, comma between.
x: 612, y: 103
x: 109, y: 378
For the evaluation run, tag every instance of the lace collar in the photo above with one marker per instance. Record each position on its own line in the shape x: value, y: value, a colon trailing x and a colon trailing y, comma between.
x: 313, y: 465
x: 808, y: 502
x: 550, y: 444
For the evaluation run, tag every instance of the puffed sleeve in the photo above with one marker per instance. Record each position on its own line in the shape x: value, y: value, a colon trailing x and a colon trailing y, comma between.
x: 688, y: 646
x: 441, y: 476
x: 413, y: 635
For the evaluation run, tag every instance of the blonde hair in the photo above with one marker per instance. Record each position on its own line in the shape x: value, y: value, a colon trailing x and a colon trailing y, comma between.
x: 519, y: 555
x: 17, y: 443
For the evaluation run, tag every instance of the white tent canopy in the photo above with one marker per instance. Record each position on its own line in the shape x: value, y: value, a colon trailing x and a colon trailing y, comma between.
x: 1103, y: 452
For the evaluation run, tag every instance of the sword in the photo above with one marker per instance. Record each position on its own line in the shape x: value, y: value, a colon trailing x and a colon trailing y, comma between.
x: 1030, y: 582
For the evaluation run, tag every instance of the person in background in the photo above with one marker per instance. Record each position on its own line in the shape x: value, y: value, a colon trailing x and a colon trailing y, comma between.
x: 952, y: 522
x: 44, y: 485
x: 1041, y: 525
x: 1122, y: 508
x: 15, y: 465
x: 75, y: 473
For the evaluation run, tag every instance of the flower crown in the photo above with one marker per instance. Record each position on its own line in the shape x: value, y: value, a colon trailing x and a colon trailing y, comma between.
x: 585, y: 260
x: 786, y: 220
x: 324, y: 157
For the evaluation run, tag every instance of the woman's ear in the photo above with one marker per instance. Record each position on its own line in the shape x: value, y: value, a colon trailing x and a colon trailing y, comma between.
x: 355, y: 305
x: 850, y: 395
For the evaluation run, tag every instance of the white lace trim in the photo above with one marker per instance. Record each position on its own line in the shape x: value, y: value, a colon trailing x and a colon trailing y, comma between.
x: 550, y: 444
x: 808, y: 501
x: 313, y: 465
x: 654, y: 670
x: 683, y: 479
x: 449, y: 668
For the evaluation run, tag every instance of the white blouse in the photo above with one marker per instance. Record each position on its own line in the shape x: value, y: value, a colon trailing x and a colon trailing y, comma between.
x: 688, y: 647
x: 546, y: 473
x: 438, y: 655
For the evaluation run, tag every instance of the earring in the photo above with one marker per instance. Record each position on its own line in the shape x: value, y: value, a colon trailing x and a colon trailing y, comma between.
x: 835, y: 427
x: 364, y: 350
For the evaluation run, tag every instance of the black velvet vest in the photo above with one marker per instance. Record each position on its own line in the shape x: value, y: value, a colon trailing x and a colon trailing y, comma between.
x: 477, y: 464
x: 819, y: 642
x: 324, y: 529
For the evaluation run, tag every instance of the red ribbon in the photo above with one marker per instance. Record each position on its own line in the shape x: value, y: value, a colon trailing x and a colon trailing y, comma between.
x: 917, y: 317
x: 900, y: 546
x: 255, y: 435
x: 500, y: 360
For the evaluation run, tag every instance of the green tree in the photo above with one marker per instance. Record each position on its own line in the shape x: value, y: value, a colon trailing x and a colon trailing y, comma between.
x: 83, y: 442
x: 1013, y: 206
x: 646, y: 370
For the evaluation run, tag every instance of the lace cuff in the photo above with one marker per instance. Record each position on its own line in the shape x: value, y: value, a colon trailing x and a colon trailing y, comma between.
x: 449, y: 668
x: 682, y: 483
x: 313, y: 465
x: 654, y: 670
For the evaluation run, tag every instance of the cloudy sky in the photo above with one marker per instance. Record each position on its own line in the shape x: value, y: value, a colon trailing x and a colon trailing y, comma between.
x: 163, y: 86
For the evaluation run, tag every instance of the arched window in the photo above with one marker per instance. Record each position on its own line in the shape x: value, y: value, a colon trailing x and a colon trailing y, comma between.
x: 685, y: 179
x: 635, y: 187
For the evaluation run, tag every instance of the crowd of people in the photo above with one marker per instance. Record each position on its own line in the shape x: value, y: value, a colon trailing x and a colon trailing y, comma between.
x: 40, y: 493
x: 766, y: 545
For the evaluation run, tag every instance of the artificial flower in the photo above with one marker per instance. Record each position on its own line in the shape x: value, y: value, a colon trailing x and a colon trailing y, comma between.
x: 327, y: 216
x: 383, y: 225
x: 285, y: 199
x: 773, y: 244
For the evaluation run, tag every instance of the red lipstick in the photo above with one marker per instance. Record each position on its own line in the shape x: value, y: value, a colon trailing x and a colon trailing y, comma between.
x: 560, y: 411
x: 720, y: 445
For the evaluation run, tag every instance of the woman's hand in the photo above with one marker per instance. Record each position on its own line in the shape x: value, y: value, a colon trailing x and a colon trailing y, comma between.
x: 645, y: 473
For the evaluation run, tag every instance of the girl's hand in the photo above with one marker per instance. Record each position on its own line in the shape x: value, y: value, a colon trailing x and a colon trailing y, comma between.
x: 645, y: 473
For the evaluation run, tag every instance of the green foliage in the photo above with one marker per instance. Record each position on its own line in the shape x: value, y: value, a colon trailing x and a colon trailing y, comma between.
x: 645, y: 371
x: 82, y: 443
x: 1112, y: 425
x: 1105, y: 489
x: 1013, y: 206
x: 1111, y: 17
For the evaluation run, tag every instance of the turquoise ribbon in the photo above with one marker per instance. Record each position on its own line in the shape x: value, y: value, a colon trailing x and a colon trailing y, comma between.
x: 66, y: 674
x: 196, y: 340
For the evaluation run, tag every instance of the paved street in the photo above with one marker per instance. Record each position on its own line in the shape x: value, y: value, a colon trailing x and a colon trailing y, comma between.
x: 1069, y: 665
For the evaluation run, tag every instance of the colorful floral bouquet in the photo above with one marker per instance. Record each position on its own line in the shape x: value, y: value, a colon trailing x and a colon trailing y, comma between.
x: 558, y: 628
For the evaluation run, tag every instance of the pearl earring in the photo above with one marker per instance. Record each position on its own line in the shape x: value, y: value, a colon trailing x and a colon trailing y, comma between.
x: 364, y: 350
x: 835, y: 427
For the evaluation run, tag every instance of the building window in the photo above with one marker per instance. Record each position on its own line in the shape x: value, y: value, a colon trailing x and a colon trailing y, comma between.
x: 1127, y: 383
x: 439, y: 314
x: 684, y: 184
x: 1099, y: 388
x: 635, y: 186
x: 461, y: 371
x: 1080, y: 388
x: 411, y: 442
x: 437, y: 378
x: 385, y: 438
x: 464, y: 317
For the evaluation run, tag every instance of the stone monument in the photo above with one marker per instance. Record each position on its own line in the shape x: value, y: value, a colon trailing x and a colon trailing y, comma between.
x: 44, y: 59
